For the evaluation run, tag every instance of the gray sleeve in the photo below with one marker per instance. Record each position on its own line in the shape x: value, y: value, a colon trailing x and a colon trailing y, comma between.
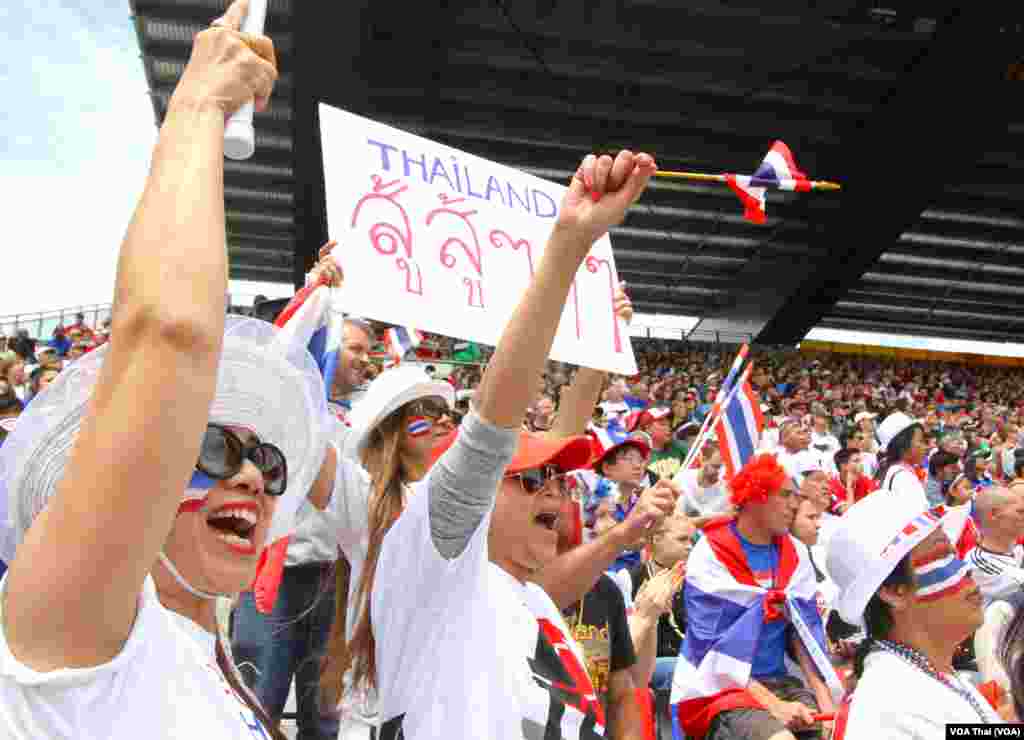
x: 464, y: 482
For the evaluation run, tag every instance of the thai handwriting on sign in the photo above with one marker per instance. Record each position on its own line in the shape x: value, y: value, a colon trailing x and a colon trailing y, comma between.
x: 472, y: 252
x: 387, y: 238
x: 395, y: 237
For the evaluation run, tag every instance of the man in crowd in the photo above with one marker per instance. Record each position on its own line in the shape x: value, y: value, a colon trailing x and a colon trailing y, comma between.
x: 795, y: 439
x: 614, y: 406
x: 746, y: 580
x: 702, y: 492
x: 850, y: 485
x: 289, y: 642
x: 822, y: 439
x: 997, y: 559
x: 943, y: 468
x: 667, y: 455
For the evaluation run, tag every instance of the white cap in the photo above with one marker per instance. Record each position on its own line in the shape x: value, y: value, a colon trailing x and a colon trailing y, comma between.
x: 391, y: 390
x: 862, y: 416
x: 893, y: 425
x: 805, y: 465
x: 873, y: 537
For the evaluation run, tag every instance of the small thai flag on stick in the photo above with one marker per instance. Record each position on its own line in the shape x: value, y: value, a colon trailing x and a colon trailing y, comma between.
x: 400, y: 341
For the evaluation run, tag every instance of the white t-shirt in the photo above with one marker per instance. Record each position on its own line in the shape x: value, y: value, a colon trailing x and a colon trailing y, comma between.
x: 697, y: 501
x: 997, y: 575
x: 165, y: 683
x: 901, y: 480
x: 826, y: 445
x: 460, y: 652
x: 895, y: 701
x: 348, y: 515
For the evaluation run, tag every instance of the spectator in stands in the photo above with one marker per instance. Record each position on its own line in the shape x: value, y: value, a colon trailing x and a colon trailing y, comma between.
x: 684, y: 407
x: 703, y: 496
x: 662, y: 600
x: 953, y: 442
x: 496, y: 494
x: 395, y: 428
x: 109, y: 607
x: 902, y: 440
x: 1018, y: 470
x: 978, y: 467
x: 667, y: 455
x: 898, y: 574
x: 78, y: 349
x: 851, y: 484
x: 998, y: 557
x: 24, y: 347
x: 12, y: 372
x: 541, y: 416
x: 614, y: 405
x: 943, y: 468
x: 60, y: 342
x: 822, y: 439
x: 773, y: 705
x: 865, y: 421
x: 49, y: 358
x: 795, y: 439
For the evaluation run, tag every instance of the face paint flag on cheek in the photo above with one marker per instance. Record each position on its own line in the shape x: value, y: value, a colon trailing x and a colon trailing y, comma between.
x: 941, y: 576
x: 195, y: 495
x: 418, y: 426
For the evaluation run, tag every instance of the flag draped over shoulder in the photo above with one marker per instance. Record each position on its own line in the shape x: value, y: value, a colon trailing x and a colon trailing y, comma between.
x: 726, y: 611
x: 307, y: 321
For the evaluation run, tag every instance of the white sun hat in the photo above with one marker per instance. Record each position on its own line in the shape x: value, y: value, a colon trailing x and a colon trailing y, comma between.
x: 391, y: 390
x: 870, y: 540
x: 894, y: 424
x: 262, y: 384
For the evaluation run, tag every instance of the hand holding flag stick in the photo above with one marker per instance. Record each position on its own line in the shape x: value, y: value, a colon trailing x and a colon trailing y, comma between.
x: 716, y: 408
x: 778, y: 171
x: 239, y: 135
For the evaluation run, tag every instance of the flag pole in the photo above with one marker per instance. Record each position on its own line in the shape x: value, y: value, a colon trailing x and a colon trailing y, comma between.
x: 725, y: 388
x: 704, y: 177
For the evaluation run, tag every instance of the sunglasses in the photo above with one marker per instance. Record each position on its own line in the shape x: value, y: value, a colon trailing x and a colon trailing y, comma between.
x: 223, y: 453
x: 535, y: 479
x: 429, y: 408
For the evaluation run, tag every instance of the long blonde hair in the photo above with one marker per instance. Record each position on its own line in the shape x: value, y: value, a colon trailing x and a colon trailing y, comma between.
x: 389, y: 468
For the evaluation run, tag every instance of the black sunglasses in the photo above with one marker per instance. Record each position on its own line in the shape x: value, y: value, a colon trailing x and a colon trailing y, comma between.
x: 429, y: 408
x: 534, y: 479
x: 223, y: 453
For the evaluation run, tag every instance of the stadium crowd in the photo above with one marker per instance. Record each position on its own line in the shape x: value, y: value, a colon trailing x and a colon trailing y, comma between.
x: 482, y: 543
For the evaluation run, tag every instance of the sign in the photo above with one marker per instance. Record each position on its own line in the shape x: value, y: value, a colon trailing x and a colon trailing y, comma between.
x: 443, y: 241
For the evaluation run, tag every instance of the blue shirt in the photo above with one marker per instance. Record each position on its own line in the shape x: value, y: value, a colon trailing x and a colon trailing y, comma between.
x: 769, y: 660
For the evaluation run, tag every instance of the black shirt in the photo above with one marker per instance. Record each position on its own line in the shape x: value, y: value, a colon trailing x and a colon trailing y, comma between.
x: 669, y: 641
x: 603, y: 632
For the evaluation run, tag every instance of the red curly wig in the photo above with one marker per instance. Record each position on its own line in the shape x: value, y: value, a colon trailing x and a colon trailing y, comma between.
x: 760, y: 478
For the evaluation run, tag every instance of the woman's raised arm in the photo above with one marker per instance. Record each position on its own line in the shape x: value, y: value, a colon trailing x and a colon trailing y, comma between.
x: 72, y: 591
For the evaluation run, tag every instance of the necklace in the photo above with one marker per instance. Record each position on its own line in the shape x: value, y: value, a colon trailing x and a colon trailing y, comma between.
x: 919, y: 661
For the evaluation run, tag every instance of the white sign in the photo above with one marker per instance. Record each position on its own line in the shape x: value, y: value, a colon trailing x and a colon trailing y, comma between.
x: 442, y: 241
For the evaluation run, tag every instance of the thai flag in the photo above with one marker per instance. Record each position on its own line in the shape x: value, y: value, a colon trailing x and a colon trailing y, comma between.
x: 726, y: 612
x: 309, y: 320
x: 941, y: 577
x: 739, y: 427
x: 606, y: 437
x: 400, y: 341
x: 777, y: 170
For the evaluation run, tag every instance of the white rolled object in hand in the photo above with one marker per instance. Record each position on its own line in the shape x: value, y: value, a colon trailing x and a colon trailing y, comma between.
x: 239, y: 135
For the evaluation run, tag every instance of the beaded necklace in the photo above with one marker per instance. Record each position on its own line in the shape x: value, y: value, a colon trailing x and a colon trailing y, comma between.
x: 671, y: 612
x: 919, y: 661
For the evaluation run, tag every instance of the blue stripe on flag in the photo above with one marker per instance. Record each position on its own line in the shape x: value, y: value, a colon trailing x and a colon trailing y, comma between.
x: 713, y: 621
x: 201, y: 481
x: 933, y: 577
x: 318, y: 345
x: 740, y: 430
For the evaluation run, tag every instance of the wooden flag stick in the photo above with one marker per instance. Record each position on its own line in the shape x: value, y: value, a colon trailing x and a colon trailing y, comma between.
x: 704, y: 177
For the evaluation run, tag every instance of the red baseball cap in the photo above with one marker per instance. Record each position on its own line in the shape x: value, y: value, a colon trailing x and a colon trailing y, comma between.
x: 568, y: 453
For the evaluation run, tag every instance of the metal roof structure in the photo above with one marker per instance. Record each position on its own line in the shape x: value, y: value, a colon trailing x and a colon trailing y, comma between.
x: 908, y: 104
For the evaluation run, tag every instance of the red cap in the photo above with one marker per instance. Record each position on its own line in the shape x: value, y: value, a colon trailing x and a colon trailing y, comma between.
x: 568, y: 453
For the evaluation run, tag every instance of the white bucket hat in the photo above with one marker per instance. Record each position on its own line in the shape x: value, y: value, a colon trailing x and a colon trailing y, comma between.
x: 391, y: 390
x: 872, y: 538
x: 893, y: 425
x: 262, y: 384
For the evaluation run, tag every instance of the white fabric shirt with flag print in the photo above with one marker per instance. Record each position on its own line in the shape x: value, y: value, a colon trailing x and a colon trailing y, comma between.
x: 726, y: 611
x: 309, y: 320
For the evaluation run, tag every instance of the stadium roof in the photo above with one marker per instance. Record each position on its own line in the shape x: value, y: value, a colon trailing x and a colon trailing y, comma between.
x: 907, y: 103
